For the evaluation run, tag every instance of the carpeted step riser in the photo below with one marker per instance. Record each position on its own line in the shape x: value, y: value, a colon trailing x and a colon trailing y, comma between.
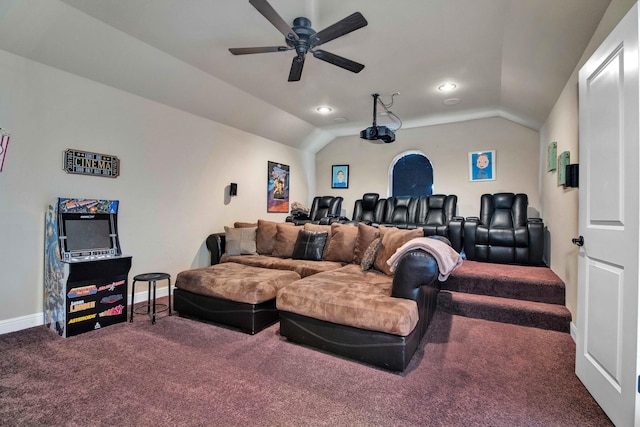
x: 552, y: 319
x: 538, y: 284
x: 526, y: 291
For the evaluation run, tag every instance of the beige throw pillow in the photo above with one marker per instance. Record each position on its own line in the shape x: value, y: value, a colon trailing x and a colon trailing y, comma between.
x: 240, y: 224
x: 265, y: 236
x: 240, y: 241
x: 342, y: 243
x: 285, y: 241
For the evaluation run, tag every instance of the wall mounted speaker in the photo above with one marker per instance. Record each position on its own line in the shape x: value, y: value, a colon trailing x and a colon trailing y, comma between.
x: 572, y: 175
x: 233, y: 189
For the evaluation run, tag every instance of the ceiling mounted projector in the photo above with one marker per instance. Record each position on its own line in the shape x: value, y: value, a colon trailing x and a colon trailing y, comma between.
x: 378, y: 134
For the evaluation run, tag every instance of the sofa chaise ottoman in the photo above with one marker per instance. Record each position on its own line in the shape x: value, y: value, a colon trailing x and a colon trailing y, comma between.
x: 233, y: 294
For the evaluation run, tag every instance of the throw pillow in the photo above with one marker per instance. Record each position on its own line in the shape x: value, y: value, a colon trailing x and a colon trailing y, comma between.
x: 240, y: 241
x: 369, y: 257
x: 240, y: 224
x: 265, y: 237
x: 317, y: 227
x: 366, y: 235
x: 342, y: 243
x: 286, y: 236
x: 310, y: 245
x: 391, y: 240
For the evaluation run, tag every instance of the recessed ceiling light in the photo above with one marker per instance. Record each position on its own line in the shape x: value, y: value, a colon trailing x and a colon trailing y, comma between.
x: 324, y: 110
x: 451, y: 101
x: 447, y: 87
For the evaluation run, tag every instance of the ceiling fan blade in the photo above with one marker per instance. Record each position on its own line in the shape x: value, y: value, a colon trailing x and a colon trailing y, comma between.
x: 272, y: 16
x: 296, y: 69
x: 340, y: 28
x: 249, y: 50
x: 334, y: 59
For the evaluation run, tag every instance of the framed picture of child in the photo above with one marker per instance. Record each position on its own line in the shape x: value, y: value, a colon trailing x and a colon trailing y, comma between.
x: 340, y: 176
x: 482, y: 165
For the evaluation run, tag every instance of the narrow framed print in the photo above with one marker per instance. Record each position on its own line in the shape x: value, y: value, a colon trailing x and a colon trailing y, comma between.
x: 277, y: 187
x: 552, y: 156
x: 563, y: 161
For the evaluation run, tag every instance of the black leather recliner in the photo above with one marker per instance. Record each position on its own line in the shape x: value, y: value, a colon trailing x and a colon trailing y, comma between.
x: 503, y: 233
x: 368, y: 210
x: 400, y: 212
x: 437, y: 216
x: 323, y: 209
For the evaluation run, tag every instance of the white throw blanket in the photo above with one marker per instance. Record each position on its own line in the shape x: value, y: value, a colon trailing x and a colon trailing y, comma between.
x: 446, y: 257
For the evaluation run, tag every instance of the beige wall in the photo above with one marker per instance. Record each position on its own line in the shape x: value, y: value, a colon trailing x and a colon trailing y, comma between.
x: 174, y: 170
x: 561, y: 205
x: 447, y: 146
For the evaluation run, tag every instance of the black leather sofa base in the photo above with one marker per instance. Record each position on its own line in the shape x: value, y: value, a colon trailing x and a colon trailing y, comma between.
x: 391, y: 352
x: 249, y: 318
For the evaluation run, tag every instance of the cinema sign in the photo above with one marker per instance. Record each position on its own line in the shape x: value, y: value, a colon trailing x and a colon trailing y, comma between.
x: 86, y: 163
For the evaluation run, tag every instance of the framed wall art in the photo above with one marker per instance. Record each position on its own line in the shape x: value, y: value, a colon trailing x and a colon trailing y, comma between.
x: 4, y: 143
x: 552, y: 156
x: 563, y: 161
x: 340, y: 176
x: 277, y: 187
x: 482, y: 165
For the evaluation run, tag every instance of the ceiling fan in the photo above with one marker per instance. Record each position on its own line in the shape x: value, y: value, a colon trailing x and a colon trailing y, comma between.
x: 302, y: 38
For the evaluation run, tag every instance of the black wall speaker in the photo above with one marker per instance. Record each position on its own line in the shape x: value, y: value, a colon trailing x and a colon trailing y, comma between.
x: 572, y: 175
x: 233, y: 189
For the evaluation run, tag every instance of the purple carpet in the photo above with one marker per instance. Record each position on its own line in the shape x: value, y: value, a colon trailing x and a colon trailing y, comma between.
x: 180, y: 372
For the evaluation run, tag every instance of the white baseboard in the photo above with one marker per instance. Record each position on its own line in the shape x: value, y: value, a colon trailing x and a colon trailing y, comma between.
x: 573, y: 330
x: 37, y: 319
x: 20, y: 323
x: 142, y: 296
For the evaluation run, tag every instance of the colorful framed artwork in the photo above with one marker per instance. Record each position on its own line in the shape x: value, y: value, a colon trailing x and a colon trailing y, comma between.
x: 277, y: 187
x: 4, y: 143
x: 340, y: 176
x: 552, y: 156
x: 482, y: 165
x: 563, y: 161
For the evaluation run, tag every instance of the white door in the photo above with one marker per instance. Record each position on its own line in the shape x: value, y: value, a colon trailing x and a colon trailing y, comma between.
x: 607, y: 312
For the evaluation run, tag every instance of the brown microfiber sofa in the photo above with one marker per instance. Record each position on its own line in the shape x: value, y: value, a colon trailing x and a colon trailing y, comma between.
x: 338, y: 295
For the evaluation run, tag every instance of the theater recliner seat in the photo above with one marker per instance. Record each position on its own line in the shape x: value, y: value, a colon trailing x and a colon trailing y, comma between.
x: 323, y: 209
x: 369, y: 209
x: 503, y: 233
x: 400, y: 212
x: 436, y: 215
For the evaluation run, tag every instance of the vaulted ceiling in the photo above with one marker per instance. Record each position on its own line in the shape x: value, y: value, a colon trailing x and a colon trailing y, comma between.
x: 508, y: 58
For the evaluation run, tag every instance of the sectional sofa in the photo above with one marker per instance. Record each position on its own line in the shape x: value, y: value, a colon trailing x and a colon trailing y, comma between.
x: 339, y: 287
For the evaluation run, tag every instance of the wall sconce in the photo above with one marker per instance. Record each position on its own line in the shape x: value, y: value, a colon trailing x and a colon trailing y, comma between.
x: 233, y: 189
x: 572, y: 174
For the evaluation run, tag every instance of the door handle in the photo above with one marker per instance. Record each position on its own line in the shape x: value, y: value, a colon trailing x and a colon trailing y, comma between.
x: 579, y: 241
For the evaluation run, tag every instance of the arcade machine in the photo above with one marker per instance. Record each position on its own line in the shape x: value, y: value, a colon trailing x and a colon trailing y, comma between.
x: 86, y: 275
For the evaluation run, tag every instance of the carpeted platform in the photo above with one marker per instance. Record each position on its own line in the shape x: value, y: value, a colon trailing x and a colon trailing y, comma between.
x: 522, y: 295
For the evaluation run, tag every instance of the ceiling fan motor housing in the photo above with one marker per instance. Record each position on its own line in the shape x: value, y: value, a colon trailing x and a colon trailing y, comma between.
x: 302, y: 27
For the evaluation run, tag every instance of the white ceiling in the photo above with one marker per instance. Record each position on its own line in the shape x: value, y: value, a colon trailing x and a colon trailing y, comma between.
x: 509, y: 58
